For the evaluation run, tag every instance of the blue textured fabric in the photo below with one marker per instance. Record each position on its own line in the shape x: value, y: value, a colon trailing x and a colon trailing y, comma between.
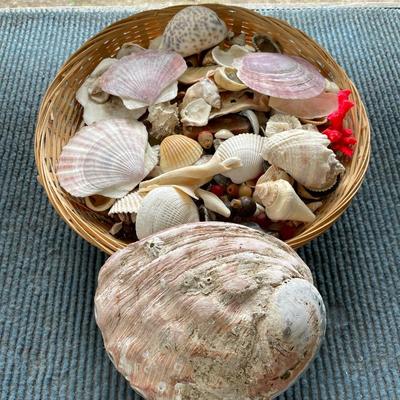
x: 50, y: 347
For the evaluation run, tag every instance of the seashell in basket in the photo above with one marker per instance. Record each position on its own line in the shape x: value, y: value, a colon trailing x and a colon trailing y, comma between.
x: 281, y: 123
x: 194, y: 74
x: 164, y: 119
x: 305, y: 156
x: 213, y: 203
x: 226, y: 78
x: 280, y: 75
x: 98, y: 203
x: 314, y: 107
x: 193, y: 30
x: 265, y: 43
x: 281, y: 202
x: 225, y: 58
x: 105, y: 158
x: 274, y: 173
x: 177, y: 151
x: 145, y: 78
x: 151, y: 158
x: 205, y: 89
x: 195, y: 113
x: 128, y: 204
x: 129, y: 48
x: 209, y: 311
x: 163, y: 208
x: 248, y: 148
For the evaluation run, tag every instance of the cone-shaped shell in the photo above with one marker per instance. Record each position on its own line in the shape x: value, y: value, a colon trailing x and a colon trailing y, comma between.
x: 193, y: 30
x: 209, y: 311
x: 281, y: 202
x: 163, y: 208
x: 177, y: 151
x: 280, y: 75
x: 248, y: 148
x: 305, y: 156
x: 145, y: 78
x: 105, y: 158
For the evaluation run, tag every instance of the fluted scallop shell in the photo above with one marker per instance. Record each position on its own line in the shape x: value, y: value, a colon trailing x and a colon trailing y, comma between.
x: 225, y: 58
x: 248, y: 148
x: 177, y: 151
x: 226, y: 78
x: 194, y: 29
x: 105, y: 158
x: 144, y: 78
x: 279, y: 75
x: 281, y: 202
x: 209, y: 311
x: 163, y: 208
x: 205, y: 89
x: 164, y: 120
x: 196, y: 113
x: 128, y: 204
x: 305, y: 156
x: 281, y: 123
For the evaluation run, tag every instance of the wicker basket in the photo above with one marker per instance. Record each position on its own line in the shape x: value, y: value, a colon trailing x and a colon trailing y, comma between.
x: 60, y: 115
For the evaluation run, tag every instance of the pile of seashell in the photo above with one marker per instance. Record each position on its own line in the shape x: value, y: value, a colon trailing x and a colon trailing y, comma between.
x: 203, y: 126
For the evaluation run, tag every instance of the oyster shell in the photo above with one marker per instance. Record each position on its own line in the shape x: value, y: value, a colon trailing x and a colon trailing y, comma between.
x: 105, y: 158
x: 226, y: 78
x: 247, y: 147
x: 144, y: 78
x: 281, y: 123
x: 196, y: 113
x: 305, y: 156
x: 225, y: 58
x: 177, y: 151
x: 164, y: 120
x: 209, y: 311
x: 205, y: 89
x: 163, y: 208
x: 194, y: 29
x: 281, y: 202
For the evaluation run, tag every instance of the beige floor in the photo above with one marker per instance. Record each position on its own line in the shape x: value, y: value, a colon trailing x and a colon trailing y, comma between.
x: 148, y: 3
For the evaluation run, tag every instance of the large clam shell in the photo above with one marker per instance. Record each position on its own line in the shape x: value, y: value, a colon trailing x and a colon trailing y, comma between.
x: 279, y: 75
x: 194, y: 29
x: 177, y: 151
x: 305, y: 156
x: 163, y: 208
x: 209, y: 311
x: 248, y: 148
x: 105, y: 158
x: 144, y: 78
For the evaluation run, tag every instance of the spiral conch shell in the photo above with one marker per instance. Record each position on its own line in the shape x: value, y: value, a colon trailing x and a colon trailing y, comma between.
x: 209, y: 311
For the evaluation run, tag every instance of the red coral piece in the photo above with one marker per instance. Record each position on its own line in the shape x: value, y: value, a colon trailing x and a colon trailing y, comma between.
x: 342, y: 139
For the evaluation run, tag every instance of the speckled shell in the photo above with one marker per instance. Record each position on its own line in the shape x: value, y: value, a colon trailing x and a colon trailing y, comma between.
x: 248, y: 148
x: 193, y: 30
x: 163, y: 208
x: 209, y: 311
x: 105, y: 158
x: 305, y: 156
x: 177, y: 151
x: 144, y: 78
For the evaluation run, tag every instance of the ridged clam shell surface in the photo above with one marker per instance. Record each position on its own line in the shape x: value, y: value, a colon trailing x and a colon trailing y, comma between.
x: 209, y: 311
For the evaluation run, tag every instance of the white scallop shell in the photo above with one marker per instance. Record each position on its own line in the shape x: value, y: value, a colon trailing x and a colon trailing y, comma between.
x: 247, y: 147
x: 195, y: 113
x: 144, y: 78
x: 163, y: 208
x: 213, y: 203
x: 194, y: 29
x: 151, y: 158
x: 281, y: 123
x: 305, y: 156
x: 128, y: 204
x: 225, y: 58
x: 281, y: 202
x: 105, y: 158
x: 205, y: 89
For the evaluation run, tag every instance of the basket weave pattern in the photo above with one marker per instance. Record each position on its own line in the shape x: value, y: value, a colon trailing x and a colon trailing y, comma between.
x: 60, y: 114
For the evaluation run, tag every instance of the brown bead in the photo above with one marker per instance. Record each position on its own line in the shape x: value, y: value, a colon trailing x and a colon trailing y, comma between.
x: 206, y: 139
x: 245, y: 190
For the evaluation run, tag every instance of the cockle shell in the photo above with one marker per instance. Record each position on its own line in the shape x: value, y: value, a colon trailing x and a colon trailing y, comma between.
x: 105, y: 158
x: 205, y: 89
x: 281, y: 123
x: 226, y: 78
x: 128, y: 204
x: 305, y: 156
x: 225, y: 58
x: 129, y: 48
x: 144, y: 78
x: 281, y: 202
x: 248, y: 148
x: 314, y: 107
x: 98, y: 203
x: 209, y: 311
x: 164, y: 120
x: 194, y: 74
x: 196, y: 113
x: 213, y: 203
x: 163, y: 208
x: 177, y: 151
x: 193, y: 30
x: 280, y: 75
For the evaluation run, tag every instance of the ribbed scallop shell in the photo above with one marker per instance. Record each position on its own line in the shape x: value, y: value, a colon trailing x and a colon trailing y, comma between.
x: 163, y: 208
x: 280, y: 75
x: 144, y: 78
x: 129, y: 204
x: 177, y: 151
x: 193, y: 30
x: 305, y: 156
x: 105, y: 158
x: 281, y: 202
x: 248, y: 148
x: 209, y: 311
